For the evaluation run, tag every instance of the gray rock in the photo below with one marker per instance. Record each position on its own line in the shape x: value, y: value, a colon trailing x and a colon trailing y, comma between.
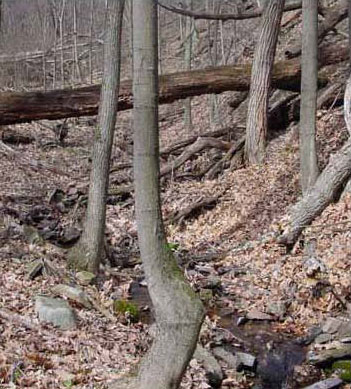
x: 331, y: 325
x: 255, y: 314
x: 34, y: 269
x: 85, y: 277
x: 323, y: 338
x: 246, y: 361
x: 213, y: 370
x: 55, y: 311
x: 213, y: 282
x: 329, y: 383
x: 277, y: 308
x: 345, y: 340
x: 344, y: 330
x: 75, y: 294
x: 313, y: 266
x: 231, y: 360
x: 311, y: 335
x: 70, y: 235
x: 325, y: 357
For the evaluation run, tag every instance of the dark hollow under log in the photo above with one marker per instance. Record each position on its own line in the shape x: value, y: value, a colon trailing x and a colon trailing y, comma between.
x: 21, y: 107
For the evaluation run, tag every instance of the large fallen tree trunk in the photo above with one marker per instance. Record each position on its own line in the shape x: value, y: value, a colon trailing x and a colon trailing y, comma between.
x: 57, y: 104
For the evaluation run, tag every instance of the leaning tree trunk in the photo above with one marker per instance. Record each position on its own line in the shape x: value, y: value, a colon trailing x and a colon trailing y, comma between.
x: 309, y: 68
x: 256, y: 125
x: 179, y: 312
x: 86, y: 255
x: 327, y: 187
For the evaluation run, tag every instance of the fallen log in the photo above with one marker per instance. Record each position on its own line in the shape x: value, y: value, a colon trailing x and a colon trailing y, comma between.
x: 222, y: 163
x: 325, y: 191
x: 192, y: 210
x: 335, y: 15
x: 21, y: 107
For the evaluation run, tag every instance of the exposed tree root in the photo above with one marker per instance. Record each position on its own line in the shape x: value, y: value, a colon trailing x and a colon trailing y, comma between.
x: 225, y: 161
x: 196, y: 147
x: 186, y: 213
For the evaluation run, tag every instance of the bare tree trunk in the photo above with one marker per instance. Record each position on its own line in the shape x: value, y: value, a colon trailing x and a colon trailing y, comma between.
x: 327, y: 186
x: 160, y: 41
x: 0, y: 15
x: 54, y: 13
x: 91, y: 29
x: 86, y: 255
x: 76, y: 68
x: 325, y: 190
x: 188, y: 51
x: 213, y: 54
x: 256, y: 126
x: 61, y: 39
x: 179, y: 312
x: 309, y: 69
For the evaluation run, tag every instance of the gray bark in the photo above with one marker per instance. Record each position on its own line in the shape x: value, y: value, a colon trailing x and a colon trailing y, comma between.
x: 309, y: 69
x: 188, y: 53
x: 86, y: 255
x: 325, y: 190
x: 256, y: 126
x: 178, y: 311
x: 327, y: 187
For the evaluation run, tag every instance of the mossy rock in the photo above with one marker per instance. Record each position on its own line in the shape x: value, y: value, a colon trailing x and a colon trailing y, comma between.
x: 343, y: 368
x: 127, y: 308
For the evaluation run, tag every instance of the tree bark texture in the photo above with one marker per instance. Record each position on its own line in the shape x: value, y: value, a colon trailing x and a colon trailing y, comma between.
x: 327, y: 187
x: 335, y: 15
x: 178, y: 311
x: 308, y: 107
x: 325, y: 190
x: 188, y: 54
x: 22, y: 107
x: 256, y: 125
x: 86, y: 255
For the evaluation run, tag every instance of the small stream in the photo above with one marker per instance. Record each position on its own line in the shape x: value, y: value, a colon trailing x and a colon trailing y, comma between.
x: 276, y: 353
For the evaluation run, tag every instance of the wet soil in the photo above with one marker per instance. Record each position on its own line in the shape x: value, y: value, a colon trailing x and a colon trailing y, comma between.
x: 277, y: 354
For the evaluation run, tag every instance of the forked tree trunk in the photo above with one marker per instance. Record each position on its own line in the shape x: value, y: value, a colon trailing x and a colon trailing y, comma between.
x: 309, y: 69
x: 327, y: 187
x: 256, y: 125
x: 86, y: 255
x: 179, y: 312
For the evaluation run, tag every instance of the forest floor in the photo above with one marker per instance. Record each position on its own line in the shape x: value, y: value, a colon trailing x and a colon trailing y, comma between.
x: 232, y: 245
x: 228, y: 251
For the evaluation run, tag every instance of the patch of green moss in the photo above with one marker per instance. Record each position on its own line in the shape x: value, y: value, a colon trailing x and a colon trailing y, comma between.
x: 172, y: 246
x: 127, y: 307
x: 343, y: 368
